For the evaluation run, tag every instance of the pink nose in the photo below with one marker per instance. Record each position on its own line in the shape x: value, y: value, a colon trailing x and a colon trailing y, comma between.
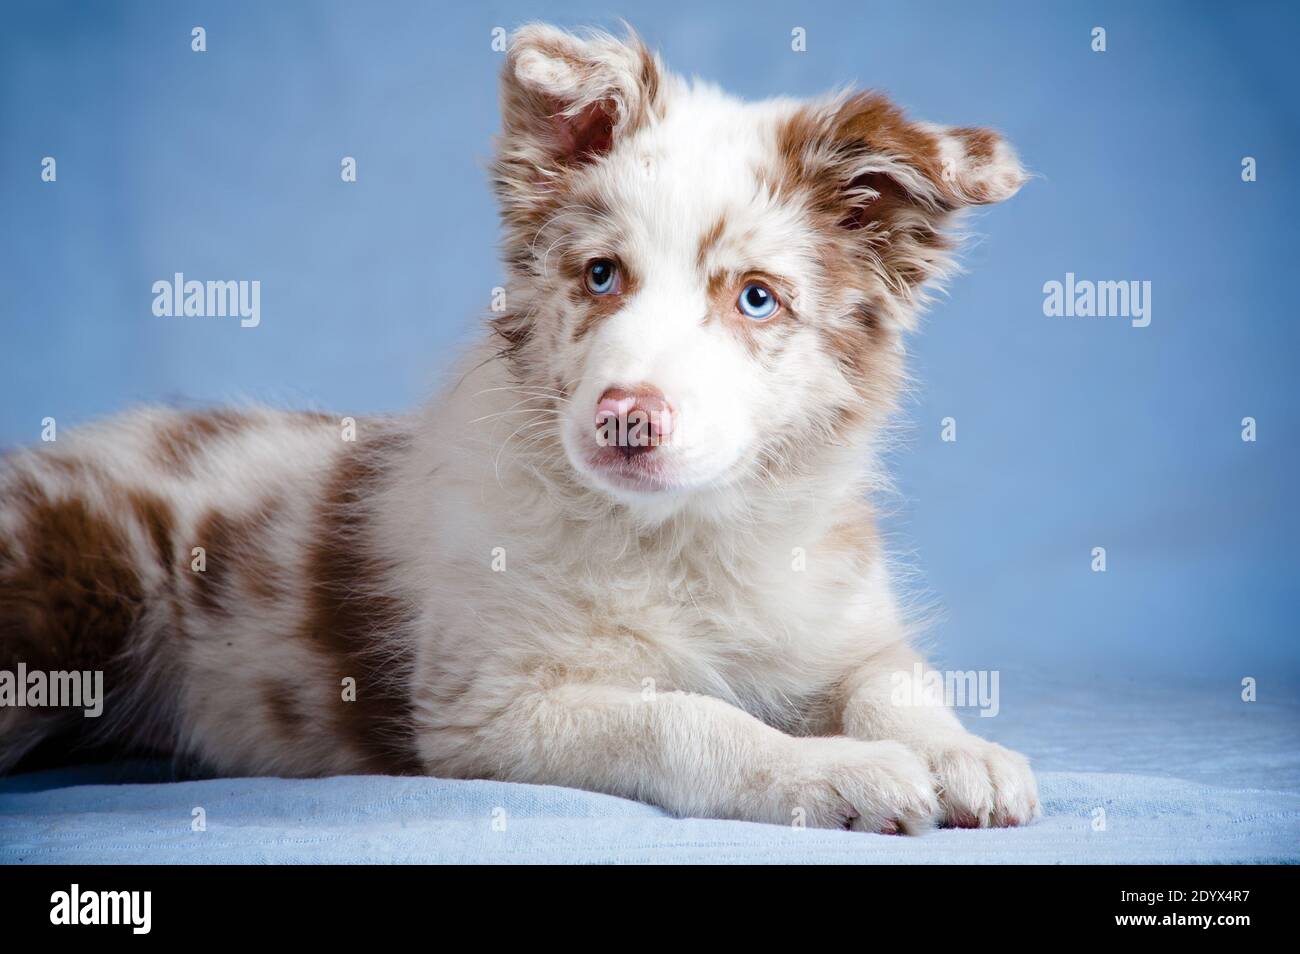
x: 635, y: 420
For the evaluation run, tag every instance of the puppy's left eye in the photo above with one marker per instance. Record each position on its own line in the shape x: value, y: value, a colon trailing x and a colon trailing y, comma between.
x: 602, y: 277
x: 757, y: 301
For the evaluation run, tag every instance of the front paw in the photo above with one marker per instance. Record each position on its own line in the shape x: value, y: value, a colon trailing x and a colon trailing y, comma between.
x: 980, y: 784
x: 861, y: 786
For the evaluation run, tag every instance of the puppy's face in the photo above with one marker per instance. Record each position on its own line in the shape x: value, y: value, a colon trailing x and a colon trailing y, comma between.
x: 711, y: 292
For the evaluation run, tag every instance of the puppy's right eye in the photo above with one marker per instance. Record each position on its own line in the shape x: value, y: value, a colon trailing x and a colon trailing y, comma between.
x: 602, y: 277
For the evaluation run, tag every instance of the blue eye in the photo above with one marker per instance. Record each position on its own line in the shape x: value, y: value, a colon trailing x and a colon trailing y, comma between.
x: 757, y: 301
x: 602, y: 277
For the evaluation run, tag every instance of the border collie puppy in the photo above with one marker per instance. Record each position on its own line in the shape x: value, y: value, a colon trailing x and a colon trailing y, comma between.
x: 628, y: 549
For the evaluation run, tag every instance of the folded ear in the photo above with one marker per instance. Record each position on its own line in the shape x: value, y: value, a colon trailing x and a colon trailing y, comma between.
x: 887, y: 188
x: 861, y: 148
x: 566, y: 99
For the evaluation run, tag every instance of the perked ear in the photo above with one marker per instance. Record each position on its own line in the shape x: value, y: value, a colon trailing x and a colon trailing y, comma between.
x: 566, y: 99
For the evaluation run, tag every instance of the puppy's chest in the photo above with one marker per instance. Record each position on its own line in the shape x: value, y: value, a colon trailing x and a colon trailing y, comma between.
x: 766, y: 642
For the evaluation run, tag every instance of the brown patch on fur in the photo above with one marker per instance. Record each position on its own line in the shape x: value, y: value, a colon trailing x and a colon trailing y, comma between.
x: 182, y: 440
x: 819, y: 150
x: 815, y: 145
x: 156, y: 516
x: 8, y: 556
x: 819, y: 153
x: 650, y: 103
x: 69, y: 594
x: 859, y: 343
x: 595, y: 309
x: 351, y: 621
x: 981, y: 144
x: 236, y: 556
x: 851, y: 347
x: 279, y: 696
x: 514, y: 329
x: 263, y: 577
x: 592, y: 316
x: 871, y: 119
x: 981, y: 147
x: 217, y: 535
x: 709, y: 241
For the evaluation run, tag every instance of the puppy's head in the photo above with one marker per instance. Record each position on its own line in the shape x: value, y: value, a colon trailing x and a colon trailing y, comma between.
x: 712, y: 291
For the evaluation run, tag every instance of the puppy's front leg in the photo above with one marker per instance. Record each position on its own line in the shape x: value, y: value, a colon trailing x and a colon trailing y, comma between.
x: 980, y: 784
x: 698, y: 756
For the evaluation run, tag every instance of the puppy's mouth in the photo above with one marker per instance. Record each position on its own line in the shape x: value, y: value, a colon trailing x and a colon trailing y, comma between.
x: 640, y: 472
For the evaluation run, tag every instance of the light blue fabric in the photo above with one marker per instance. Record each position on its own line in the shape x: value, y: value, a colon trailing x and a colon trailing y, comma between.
x: 376, y: 819
x: 1189, y: 775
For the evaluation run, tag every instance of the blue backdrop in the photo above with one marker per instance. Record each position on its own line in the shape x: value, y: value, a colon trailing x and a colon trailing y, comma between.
x: 1071, y: 433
